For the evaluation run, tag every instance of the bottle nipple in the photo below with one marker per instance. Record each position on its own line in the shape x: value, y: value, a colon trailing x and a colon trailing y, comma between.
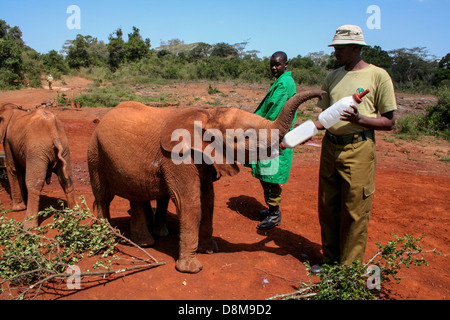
x: 358, y: 97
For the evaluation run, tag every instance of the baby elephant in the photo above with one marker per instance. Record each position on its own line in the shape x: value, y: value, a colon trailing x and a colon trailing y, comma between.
x: 35, y: 145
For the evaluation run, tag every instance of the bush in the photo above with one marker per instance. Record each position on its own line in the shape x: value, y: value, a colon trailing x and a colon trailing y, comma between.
x: 108, y: 97
x: 437, y: 117
x: 363, y: 281
x: 436, y: 120
x: 409, y: 125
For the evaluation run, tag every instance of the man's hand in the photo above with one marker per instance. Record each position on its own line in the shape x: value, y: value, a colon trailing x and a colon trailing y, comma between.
x: 351, y: 115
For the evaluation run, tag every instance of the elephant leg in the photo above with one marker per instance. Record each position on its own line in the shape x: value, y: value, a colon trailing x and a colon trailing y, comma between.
x: 15, y: 175
x: 159, y: 227
x: 138, y: 225
x: 34, y: 178
x: 206, y: 242
x: 188, y: 208
x: 103, y: 196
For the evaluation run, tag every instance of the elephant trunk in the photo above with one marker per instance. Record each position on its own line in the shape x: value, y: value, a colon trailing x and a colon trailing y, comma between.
x: 284, y: 120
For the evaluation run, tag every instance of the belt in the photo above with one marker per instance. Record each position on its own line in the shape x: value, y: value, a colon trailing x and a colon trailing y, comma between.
x: 351, y: 138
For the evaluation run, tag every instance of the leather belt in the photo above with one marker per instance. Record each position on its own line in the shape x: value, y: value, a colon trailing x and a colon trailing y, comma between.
x: 351, y: 138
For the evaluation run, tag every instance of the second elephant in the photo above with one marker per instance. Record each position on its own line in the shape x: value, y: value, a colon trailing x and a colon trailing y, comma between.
x: 35, y: 145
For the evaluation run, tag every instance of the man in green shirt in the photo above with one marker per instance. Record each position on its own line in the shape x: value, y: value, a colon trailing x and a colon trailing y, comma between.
x: 273, y: 172
x: 348, y: 158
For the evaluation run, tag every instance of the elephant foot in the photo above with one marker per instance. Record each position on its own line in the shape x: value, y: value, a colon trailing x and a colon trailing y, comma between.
x: 208, y: 246
x: 18, y: 206
x: 189, y: 265
x: 160, y: 230
x: 142, y: 239
x: 30, y: 223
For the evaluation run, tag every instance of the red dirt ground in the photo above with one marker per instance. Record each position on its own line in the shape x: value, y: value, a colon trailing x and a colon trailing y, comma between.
x: 413, y: 186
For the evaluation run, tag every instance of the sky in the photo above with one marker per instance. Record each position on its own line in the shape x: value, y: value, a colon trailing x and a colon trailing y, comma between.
x: 297, y: 27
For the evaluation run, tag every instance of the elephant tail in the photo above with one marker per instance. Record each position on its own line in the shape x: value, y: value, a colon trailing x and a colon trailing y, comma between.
x: 60, y: 148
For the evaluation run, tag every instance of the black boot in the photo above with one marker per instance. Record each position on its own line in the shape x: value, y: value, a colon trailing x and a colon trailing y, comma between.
x: 272, y: 220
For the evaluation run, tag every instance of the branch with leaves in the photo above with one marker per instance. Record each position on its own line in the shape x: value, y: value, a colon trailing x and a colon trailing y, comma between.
x: 29, y: 258
x: 342, y: 282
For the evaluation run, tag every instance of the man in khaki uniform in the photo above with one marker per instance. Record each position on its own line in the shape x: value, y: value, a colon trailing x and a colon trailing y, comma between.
x: 348, y: 157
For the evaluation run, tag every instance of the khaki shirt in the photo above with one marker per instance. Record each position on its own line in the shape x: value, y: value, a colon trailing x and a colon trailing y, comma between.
x: 341, y: 83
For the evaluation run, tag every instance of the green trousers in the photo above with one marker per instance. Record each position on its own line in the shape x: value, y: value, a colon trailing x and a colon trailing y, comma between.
x: 346, y: 187
x: 272, y: 193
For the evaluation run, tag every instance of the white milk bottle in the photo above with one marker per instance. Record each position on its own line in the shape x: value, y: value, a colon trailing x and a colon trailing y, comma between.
x: 332, y: 115
x: 300, y: 134
x: 328, y: 118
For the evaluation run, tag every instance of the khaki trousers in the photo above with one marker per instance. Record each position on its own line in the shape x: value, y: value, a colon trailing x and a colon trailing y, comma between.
x: 346, y: 187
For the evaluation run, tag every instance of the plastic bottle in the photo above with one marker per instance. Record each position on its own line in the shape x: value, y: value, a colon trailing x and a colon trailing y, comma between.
x: 328, y: 118
x: 300, y: 134
x: 332, y: 115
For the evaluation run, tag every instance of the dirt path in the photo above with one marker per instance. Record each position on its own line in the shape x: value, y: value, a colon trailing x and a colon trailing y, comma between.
x: 412, y: 183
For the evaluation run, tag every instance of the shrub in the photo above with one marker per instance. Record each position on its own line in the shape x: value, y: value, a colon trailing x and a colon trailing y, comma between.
x: 363, y: 281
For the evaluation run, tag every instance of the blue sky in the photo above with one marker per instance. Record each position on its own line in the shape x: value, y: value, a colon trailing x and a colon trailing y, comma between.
x: 294, y: 26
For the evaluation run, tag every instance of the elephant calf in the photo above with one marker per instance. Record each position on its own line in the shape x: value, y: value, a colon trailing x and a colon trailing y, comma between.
x: 35, y: 145
x: 134, y: 153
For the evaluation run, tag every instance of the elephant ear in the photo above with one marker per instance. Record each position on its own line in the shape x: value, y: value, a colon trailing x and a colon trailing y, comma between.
x: 180, y: 130
x: 186, y: 132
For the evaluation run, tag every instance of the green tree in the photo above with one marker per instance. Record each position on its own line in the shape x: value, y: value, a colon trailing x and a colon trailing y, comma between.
x: 410, y: 67
x: 78, y: 54
x: 224, y: 50
x: 301, y: 62
x: 442, y: 75
x: 11, y: 63
x: 201, y: 51
x: 377, y: 56
x: 54, y: 61
x: 136, y: 48
x: 116, y: 49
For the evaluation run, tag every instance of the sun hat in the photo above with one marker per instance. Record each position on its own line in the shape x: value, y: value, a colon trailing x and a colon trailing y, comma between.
x: 348, y: 34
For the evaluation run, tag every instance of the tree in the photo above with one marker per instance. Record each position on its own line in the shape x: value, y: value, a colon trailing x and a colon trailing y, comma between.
x: 301, y: 62
x: 11, y: 48
x: 201, y: 51
x: 54, y: 60
x: 442, y: 75
x: 224, y: 50
x: 78, y: 55
x: 412, y: 66
x: 136, y: 48
x: 116, y: 49
x: 377, y: 56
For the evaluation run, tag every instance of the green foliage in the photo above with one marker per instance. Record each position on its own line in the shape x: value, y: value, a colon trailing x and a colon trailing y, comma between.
x: 30, y: 256
x: 409, y: 125
x: 11, y: 64
x: 436, y: 120
x: 437, y: 117
x: 351, y: 282
x: 55, y: 63
x: 377, y: 56
x: 108, y: 97
x: 213, y: 90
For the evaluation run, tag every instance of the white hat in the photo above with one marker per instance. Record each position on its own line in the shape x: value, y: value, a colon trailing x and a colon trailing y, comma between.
x: 348, y: 34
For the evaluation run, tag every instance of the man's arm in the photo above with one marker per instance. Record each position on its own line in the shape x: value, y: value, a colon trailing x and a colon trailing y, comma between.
x: 385, y: 122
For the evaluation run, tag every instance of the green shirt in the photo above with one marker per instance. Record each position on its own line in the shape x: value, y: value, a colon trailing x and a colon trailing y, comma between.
x: 340, y: 83
x: 276, y: 170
